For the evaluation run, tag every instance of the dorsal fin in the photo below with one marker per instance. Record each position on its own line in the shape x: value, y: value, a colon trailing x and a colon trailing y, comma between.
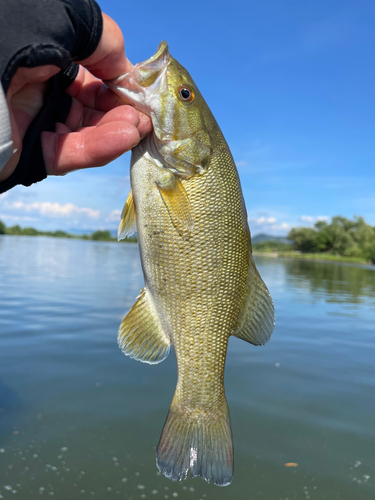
x: 256, y: 320
x: 127, y: 224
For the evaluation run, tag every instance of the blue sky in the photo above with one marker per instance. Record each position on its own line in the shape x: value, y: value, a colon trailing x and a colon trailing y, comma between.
x: 291, y: 84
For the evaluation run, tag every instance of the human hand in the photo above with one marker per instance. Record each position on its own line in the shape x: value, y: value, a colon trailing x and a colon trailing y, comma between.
x: 98, y: 128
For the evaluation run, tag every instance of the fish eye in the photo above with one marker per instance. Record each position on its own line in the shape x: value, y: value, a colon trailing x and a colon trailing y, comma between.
x: 186, y: 94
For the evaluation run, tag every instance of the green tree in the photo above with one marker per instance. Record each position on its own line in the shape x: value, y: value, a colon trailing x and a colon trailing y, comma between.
x: 304, y: 239
x: 349, y: 238
x: 14, y: 230
x: 101, y: 236
x: 29, y: 231
x: 61, y: 234
x: 3, y: 228
x: 271, y: 246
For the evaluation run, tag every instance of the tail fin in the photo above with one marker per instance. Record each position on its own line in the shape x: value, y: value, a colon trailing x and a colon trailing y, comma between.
x: 201, y: 443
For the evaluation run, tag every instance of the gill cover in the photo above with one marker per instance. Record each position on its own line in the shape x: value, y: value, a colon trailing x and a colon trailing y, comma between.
x: 183, y: 124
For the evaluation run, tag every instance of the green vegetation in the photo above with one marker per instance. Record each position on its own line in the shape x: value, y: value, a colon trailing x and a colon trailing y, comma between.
x: 101, y: 236
x: 30, y: 231
x: 343, y: 237
x: 106, y: 236
x: 342, y: 240
x: 271, y: 246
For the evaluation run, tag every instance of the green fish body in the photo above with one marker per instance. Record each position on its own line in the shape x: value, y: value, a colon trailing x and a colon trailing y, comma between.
x: 201, y: 283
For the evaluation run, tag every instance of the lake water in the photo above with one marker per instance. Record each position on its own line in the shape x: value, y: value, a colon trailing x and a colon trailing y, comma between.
x: 79, y: 420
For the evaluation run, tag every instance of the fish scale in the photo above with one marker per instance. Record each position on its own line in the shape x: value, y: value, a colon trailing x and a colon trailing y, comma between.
x: 201, y: 283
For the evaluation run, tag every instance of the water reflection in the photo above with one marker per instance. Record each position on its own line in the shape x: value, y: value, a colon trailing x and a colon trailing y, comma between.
x: 340, y: 283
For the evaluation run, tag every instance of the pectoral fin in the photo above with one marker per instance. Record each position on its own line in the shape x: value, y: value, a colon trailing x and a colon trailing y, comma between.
x: 177, y: 203
x: 127, y: 224
x: 257, y: 316
x: 141, y: 335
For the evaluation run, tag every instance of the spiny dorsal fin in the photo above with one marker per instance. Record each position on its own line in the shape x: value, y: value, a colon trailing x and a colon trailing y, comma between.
x: 127, y: 223
x: 177, y: 203
x: 256, y: 320
x: 141, y: 335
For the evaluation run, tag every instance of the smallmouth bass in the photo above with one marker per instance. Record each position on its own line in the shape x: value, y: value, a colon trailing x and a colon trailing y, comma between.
x: 201, y: 283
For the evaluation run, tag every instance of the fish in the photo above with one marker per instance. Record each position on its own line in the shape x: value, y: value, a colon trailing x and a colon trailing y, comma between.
x: 201, y: 282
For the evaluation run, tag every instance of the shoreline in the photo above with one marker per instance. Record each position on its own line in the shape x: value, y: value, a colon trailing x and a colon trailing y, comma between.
x: 69, y: 236
x: 317, y: 257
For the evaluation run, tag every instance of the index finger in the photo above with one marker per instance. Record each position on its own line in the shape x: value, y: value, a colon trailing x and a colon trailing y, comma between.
x: 92, y: 92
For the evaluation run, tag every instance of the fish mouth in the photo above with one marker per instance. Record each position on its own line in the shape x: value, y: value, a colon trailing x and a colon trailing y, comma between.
x: 145, y: 79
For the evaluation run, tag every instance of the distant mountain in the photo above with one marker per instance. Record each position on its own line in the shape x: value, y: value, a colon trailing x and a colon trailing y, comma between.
x: 268, y: 237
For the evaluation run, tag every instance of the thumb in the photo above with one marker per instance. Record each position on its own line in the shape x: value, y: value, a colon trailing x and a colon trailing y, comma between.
x: 109, y: 60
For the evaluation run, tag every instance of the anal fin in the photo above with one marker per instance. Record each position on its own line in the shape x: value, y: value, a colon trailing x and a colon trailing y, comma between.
x: 141, y: 335
x: 256, y: 320
x: 127, y: 223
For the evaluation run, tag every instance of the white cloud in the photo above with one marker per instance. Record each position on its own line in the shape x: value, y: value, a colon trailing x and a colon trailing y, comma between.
x: 307, y: 218
x: 311, y: 219
x: 115, y: 216
x: 50, y: 209
x: 268, y: 225
x: 264, y: 220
